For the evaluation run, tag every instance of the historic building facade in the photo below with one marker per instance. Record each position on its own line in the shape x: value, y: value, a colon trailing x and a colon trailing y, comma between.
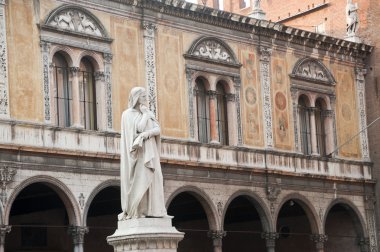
x: 256, y: 123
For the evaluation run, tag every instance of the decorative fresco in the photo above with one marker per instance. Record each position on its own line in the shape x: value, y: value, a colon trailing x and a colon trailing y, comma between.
x: 251, y: 101
x: 280, y: 94
x: 346, y: 112
x: 171, y: 86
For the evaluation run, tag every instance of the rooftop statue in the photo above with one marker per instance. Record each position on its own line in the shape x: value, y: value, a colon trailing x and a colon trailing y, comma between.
x: 352, y: 18
x: 142, y: 193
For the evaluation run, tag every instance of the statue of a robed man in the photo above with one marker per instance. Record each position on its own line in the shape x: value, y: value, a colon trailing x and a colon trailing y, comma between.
x: 142, y: 193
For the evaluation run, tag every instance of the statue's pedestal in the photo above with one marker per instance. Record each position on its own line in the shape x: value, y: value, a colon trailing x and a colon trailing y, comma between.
x: 145, y: 235
x: 353, y: 38
x: 258, y: 14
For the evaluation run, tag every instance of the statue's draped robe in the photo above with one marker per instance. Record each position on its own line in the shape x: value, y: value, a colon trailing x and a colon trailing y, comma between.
x: 140, y: 170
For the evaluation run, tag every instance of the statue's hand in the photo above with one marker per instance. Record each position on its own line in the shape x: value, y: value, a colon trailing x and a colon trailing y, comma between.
x: 145, y: 135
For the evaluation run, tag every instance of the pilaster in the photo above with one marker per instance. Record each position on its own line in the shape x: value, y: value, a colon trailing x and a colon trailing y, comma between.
x: 4, y: 89
x: 45, y: 50
x: 360, y: 94
x: 371, y: 223
x: 77, y: 233
x: 265, y: 59
x: 150, y: 64
x: 4, y: 230
x: 237, y: 86
x: 108, y: 85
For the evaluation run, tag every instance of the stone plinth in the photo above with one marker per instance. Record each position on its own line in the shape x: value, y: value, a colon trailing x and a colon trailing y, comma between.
x: 145, y: 234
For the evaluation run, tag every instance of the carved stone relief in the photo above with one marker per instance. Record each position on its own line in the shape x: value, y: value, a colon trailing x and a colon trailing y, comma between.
x: 108, y: 83
x: 7, y: 174
x: 75, y: 20
x: 150, y: 64
x: 238, y: 111
x: 312, y: 70
x: 45, y: 49
x: 4, y: 96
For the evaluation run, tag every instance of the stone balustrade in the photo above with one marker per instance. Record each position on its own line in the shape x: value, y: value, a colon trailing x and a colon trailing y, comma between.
x: 51, y: 139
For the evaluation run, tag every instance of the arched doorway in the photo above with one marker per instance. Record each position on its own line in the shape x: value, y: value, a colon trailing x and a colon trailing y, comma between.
x: 190, y: 217
x: 294, y: 228
x: 243, y: 226
x: 343, y: 229
x: 102, y: 219
x: 39, y: 221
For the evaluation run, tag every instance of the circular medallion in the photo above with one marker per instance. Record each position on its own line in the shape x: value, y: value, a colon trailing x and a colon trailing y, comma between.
x: 250, y: 96
x: 346, y: 112
x: 280, y: 100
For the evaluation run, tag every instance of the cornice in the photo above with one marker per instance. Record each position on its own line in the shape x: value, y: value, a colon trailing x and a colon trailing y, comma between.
x: 262, y: 28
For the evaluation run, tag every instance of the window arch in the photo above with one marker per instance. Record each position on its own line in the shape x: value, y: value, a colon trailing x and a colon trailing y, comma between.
x: 87, y: 94
x: 63, y: 90
x: 203, y: 111
x: 305, y: 127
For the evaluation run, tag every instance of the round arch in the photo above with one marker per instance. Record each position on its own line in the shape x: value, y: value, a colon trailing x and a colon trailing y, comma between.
x: 259, y: 205
x: 66, y: 52
x: 204, y: 78
x: 204, y: 200
x: 59, y: 187
x: 94, y: 58
x: 307, y: 206
x: 354, y: 212
x: 94, y: 192
x: 227, y: 83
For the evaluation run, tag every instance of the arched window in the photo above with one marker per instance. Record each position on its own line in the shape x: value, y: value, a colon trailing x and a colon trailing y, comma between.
x: 203, y: 111
x: 63, y: 91
x: 87, y: 94
x: 304, y: 118
x: 221, y: 114
x: 320, y: 126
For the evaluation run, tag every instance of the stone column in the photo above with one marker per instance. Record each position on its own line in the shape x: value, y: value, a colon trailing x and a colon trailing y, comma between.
x: 4, y: 230
x: 313, y: 132
x: 265, y: 60
x: 4, y: 90
x: 150, y: 64
x: 270, y: 238
x: 217, y: 236
x: 77, y: 233
x: 335, y: 138
x: 319, y: 240
x: 108, y: 85
x: 213, y: 129
x: 75, y: 108
x: 100, y: 104
x: 363, y: 243
x: 371, y: 222
x: 360, y: 94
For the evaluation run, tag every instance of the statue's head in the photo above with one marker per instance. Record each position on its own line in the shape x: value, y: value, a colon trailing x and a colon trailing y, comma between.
x: 137, y: 95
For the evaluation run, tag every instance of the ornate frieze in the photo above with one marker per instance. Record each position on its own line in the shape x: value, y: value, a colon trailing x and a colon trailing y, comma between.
x: 313, y: 70
x: 108, y: 85
x: 150, y: 64
x: 75, y: 19
x: 265, y: 54
x: 214, y: 50
x: 360, y: 94
x: 4, y: 91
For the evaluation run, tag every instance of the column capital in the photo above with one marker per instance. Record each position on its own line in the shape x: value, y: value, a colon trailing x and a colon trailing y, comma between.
x: 265, y: 53
x: 211, y: 94
x: 107, y: 58
x: 361, y: 72
x: 230, y: 97
x: 74, y: 70
x: 4, y: 229
x: 99, y: 75
x: 45, y: 46
x: 77, y: 233
x: 149, y: 28
x: 319, y: 239
x: 270, y: 238
x: 216, y: 236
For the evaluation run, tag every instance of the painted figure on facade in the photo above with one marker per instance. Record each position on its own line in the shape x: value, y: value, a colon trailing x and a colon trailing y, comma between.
x: 142, y: 193
x: 352, y: 18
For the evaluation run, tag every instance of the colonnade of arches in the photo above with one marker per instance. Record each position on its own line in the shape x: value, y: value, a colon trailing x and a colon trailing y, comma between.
x: 43, y: 214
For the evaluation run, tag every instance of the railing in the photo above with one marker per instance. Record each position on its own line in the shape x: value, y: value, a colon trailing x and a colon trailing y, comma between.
x: 45, y: 138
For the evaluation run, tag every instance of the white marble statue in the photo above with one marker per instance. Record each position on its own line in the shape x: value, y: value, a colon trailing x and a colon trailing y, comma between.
x: 142, y: 193
x: 352, y: 18
x: 256, y: 4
